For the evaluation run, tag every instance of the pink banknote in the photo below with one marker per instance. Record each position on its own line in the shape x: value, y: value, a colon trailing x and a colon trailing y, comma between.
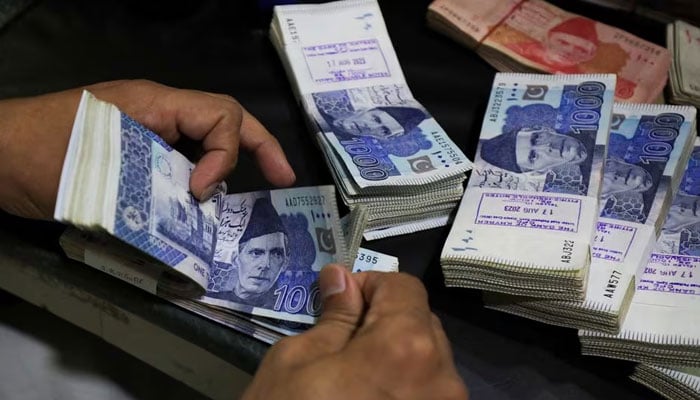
x: 477, y: 18
x: 550, y: 39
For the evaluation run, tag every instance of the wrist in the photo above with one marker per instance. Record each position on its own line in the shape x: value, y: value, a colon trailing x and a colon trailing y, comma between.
x: 34, y: 133
x: 8, y: 169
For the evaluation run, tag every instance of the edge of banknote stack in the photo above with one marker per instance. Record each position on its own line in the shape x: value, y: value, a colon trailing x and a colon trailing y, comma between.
x: 681, y: 383
x: 683, y: 41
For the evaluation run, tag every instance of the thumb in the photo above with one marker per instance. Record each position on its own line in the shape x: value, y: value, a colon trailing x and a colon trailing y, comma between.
x: 343, y: 308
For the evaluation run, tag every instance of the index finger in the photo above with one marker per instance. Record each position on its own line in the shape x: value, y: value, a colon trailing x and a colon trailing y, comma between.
x: 253, y: 137
x: 223, y: 124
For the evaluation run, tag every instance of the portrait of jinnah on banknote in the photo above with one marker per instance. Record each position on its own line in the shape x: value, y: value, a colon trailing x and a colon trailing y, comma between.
x: 391, y: 124
x: 532, y: 149
x: 625, y: 193
x: 380, y: 122
x: 623, y: 185
x: 263, y: 255
x: 533, y: 145
x: 569, y: 45
x: 680, y: 233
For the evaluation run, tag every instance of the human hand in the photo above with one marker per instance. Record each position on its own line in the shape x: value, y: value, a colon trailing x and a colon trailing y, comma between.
x: 34, y: 134
x: 375, y: 339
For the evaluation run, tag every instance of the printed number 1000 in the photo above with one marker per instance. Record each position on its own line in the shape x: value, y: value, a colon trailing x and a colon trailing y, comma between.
x: 298, y: 298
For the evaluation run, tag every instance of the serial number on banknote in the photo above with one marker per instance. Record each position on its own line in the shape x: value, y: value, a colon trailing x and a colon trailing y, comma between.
x: 612, y: 283
x: 497, y: 102
x: 304, y: 201
x: 567, y: 250
x: 445, y: 145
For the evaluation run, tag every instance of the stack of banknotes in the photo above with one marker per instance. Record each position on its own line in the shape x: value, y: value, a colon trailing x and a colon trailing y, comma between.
x: 384, y: 149
x: 683, y: 40
x: 110, y: 256
x: 662, y: 326
x: 648, y: 152
x: 535, y: 36
x: 246, y: 255
x: 675, y: 384
x: 528, y: 216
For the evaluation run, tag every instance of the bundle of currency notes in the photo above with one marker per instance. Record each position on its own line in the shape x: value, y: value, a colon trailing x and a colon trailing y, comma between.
x: 535, y: 36
x: 257, y: 252
x: 648, y: 152
x: 683, y: 40
x: 662, y: 326
x: 677, y: 383
x: 384, y: 150
x: 527, y: 219
x: 109, y: 255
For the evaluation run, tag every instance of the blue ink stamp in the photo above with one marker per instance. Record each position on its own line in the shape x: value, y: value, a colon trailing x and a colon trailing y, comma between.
x: 346, y: 61
x: 544, y: 212
x: 671, y: 273
x: 612, y: 241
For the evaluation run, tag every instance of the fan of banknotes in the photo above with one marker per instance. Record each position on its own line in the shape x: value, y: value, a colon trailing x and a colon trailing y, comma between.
x: 535, y: 36
x: 250, y: 260
x: 638, y: 183
x: 683, y: 40
x: 385, y: 151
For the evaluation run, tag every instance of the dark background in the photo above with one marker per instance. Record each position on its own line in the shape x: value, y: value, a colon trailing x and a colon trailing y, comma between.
x: 222, y: 46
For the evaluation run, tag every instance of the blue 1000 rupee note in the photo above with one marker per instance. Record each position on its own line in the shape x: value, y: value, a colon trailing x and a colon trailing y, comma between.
x: 384, y: 137
x: 155, y: 212
x: 271, y: 246
x: 647, y: 148
x: 537, y: 173
x: 544, y: 133
x: 121, y: 178
x: 680, y: 233
x: 245, y: 249
x: 663, y: 312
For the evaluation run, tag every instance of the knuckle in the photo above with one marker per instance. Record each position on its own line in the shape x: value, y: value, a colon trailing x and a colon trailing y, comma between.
x: 344, y: 318
x: 232, y: 110
x: 454, y: 389
x: 418, y: 348
x: 435, y: 320
x: 231, y: 100
x: 413, y: 284
x: 286, y: 351
x: 140, y: 82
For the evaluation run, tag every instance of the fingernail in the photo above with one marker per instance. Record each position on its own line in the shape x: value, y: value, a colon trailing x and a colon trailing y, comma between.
x: 206, y: 193
x: 332, y: 281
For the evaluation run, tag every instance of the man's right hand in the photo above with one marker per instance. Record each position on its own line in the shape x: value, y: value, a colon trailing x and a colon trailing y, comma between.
x: 376, y: 339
